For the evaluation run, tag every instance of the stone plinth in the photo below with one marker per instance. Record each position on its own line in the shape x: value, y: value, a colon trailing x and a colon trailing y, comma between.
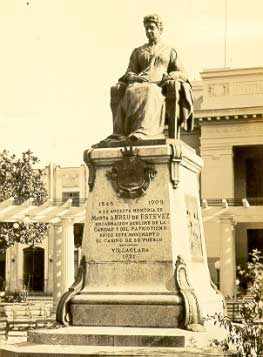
x: 112, y: 341
x: 143, y: 213
x: 109, y: 336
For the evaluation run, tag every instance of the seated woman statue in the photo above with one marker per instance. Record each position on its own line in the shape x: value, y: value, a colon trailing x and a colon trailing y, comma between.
x: 137, y: 101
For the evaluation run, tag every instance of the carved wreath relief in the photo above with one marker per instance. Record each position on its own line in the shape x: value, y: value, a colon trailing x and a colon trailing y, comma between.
x: 131, y: 176
x: 193, y: 222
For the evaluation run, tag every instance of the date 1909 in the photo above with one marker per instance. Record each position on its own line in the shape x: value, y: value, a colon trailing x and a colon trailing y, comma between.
x: 155, y: 202
x: 111, y: 204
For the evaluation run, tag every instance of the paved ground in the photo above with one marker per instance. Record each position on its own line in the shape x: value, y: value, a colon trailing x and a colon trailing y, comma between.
x: 13, y: 338
x: 102, y: 351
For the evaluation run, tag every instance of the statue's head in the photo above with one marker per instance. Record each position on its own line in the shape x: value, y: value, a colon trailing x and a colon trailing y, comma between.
x: 153, y: 27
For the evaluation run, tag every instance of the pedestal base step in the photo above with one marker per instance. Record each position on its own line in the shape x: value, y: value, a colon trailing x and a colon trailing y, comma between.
x: 35, y: 350
x: 115, y: 342
x: 110, y: 336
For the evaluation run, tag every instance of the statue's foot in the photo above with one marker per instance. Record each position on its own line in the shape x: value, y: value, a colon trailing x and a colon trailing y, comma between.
x: 114, y: 137
x: 133, y: 138
x: 110, y: 139
x: 196, y: 328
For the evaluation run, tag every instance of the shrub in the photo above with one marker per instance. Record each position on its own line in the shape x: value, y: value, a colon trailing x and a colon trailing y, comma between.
x: 247, y: 336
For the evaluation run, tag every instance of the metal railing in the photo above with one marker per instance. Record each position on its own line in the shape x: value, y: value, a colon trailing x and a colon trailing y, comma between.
x: 232, y: 202
x: 76, y: 202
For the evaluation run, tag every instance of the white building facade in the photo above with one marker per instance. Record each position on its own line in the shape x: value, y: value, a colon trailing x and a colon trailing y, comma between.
x: 37, y: 268
x: 229, y: 138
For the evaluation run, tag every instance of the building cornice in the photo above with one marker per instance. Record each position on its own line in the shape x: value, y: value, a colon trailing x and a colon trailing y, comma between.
x: 229, y: 113
x: 229, y: 72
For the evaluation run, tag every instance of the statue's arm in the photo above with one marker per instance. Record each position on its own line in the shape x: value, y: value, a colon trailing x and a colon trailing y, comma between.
x: 133, y: 63
x: 133, y: 71
x: 118, y: 90
x: 175, y: 68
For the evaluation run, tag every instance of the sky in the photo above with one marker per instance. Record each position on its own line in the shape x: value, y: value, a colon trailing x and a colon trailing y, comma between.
x: 60, y: 57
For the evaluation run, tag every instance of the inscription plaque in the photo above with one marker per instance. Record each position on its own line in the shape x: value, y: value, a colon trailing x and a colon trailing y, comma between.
x: 136, y: 233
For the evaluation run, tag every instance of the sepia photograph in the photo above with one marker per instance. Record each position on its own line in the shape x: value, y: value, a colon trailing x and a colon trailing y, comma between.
x: 131, y: 178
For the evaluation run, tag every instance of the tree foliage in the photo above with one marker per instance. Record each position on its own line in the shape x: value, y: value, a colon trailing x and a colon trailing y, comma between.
x: 21, y: 180
x: 247, y: 337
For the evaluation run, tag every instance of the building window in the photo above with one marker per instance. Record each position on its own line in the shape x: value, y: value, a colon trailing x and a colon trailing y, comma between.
x: 254, y: 241
x: 254, y: 177
x: 248, y: 173
x: 76, y: 261
x: 78, y: 234
x: 34, y: 267
x: 74, y: 196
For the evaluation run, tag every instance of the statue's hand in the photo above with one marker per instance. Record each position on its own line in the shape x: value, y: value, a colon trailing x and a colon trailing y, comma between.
x: 134, y: 78
x: 141, y: 79
x: 175, y: 75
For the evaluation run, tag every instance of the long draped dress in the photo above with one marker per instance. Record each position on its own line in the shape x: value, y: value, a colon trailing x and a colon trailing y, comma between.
x: 140, y: 113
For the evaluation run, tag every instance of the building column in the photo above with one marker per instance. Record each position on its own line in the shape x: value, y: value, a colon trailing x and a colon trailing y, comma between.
x: 20, y: 266
x: 49, y: 259
x: 8, y: 270
x: 63, y: 259
x: 228, y: 257
x: 57, y: 264
x: 67, y: 254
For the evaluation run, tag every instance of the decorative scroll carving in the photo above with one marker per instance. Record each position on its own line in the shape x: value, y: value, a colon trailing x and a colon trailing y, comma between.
x: 176, y: 158
x: 131, y: 176
x: 63, y: 314
x: 92, y: 168
x: 193, y: 222
x: 193, y: 318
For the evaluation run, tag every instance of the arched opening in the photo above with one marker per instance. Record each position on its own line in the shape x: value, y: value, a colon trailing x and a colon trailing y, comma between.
x: 34, y: 268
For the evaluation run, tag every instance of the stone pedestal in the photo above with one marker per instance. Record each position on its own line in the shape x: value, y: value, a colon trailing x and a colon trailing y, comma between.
x: 144, y: 267
x: 143, y: 213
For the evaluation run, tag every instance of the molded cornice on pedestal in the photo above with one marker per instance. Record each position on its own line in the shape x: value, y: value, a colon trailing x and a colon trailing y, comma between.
x: 155, y: 154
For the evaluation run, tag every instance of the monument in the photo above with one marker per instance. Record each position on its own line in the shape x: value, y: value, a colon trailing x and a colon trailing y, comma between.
x: 143, y: 271
x: 144, y: 260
